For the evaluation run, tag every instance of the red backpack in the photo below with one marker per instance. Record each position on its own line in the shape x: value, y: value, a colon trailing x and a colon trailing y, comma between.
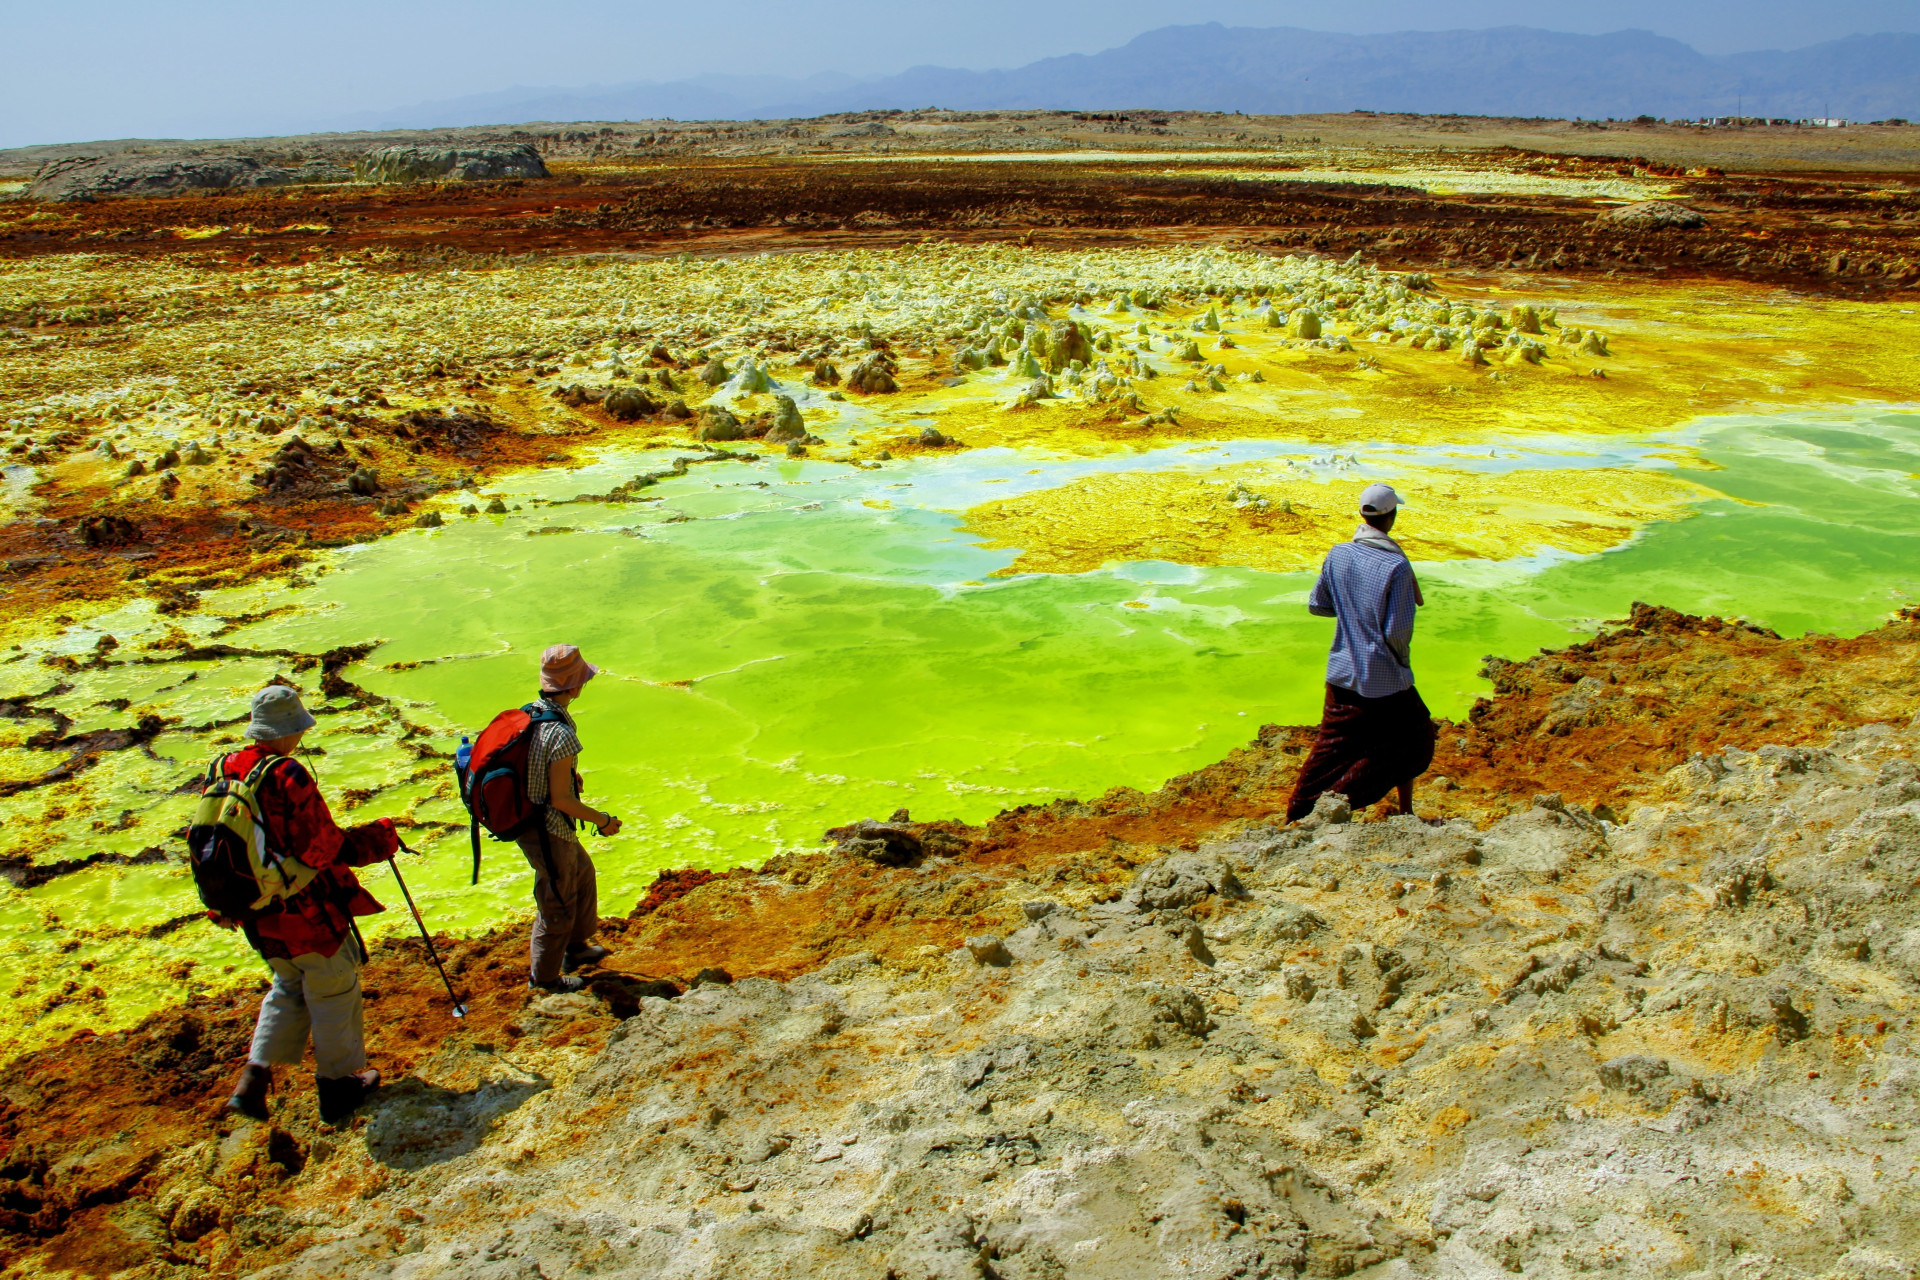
x: 493, y: 783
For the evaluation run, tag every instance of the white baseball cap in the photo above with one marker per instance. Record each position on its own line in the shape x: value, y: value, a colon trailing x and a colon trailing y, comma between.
x: 1379, y: 499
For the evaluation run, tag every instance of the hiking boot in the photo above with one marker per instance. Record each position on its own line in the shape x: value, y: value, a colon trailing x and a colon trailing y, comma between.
x: 340, y: 1098
x: 565, y: 984
x: 250, y: 1095
x: 583, y: 957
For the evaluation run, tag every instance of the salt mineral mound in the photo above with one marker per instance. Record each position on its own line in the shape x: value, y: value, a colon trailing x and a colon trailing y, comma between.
x: 1656, y: 215
x: 464, y: 164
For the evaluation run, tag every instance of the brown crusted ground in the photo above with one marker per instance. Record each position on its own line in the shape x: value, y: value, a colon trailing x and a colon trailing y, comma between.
x: 84, y: 1123
x: 1850, y: 233
x: 300, y: 502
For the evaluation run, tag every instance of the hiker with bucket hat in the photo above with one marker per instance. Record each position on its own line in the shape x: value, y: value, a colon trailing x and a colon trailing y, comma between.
x: 566, y: 892
x: 1376, y: 735
x: 268, y: 858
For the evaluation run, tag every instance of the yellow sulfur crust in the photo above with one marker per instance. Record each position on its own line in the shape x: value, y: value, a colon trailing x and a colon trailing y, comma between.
x: 1271, y: 516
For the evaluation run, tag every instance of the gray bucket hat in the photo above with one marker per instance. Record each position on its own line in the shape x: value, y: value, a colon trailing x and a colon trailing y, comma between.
x: 277, y: 713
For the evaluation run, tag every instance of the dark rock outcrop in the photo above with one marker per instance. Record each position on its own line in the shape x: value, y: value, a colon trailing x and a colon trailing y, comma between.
x: 788, y: 427
x: 873, y: 375
x: 889, y: 844
x: 450, y: 164
x: 628, y: 403
x: 97, y: 177
x: 717, y: 423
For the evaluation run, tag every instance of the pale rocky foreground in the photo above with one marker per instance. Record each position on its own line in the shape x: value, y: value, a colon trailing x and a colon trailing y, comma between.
x: 1680, y: 1045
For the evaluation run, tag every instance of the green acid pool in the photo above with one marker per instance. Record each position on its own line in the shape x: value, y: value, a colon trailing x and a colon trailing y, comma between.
x: 789, y: 645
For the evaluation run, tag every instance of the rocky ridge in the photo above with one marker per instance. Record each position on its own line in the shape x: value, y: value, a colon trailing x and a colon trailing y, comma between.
x: 460, y: 164
x: 1674, y: 1041
x: 95, y: 177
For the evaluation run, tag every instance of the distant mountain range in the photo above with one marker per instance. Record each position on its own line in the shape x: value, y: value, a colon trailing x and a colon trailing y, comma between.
x: 1504, y: 71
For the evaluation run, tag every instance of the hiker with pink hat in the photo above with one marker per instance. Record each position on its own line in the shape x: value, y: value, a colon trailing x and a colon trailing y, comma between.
x: 519, y: 783
x: 566, y: 893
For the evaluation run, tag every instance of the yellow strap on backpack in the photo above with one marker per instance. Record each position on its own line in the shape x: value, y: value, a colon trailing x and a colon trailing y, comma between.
x: 235, y: 805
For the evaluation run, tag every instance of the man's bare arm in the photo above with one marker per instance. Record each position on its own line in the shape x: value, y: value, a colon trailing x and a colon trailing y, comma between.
x: 560, y: 795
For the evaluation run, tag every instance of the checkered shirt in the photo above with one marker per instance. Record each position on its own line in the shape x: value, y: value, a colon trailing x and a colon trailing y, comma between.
x: 1369, y: 590
x: 556, y: 740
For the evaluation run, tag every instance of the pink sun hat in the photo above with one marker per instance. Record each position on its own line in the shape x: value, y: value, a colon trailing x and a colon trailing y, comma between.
x: 562, y: 669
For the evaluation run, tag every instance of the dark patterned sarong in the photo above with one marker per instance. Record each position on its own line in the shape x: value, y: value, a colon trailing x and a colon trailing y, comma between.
x: 1366, y: 748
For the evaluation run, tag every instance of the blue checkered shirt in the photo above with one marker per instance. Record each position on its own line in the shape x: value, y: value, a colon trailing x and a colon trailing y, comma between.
x: 1368, y: 588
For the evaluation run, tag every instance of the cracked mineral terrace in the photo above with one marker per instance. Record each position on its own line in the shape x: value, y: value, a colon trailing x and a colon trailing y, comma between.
x: 1155, y: 1035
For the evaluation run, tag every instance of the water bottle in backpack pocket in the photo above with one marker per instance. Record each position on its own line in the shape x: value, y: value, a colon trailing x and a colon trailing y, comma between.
x: 239, y: 876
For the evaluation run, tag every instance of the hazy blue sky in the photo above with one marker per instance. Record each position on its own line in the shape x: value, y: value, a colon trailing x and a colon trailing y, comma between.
x: 89, y: 69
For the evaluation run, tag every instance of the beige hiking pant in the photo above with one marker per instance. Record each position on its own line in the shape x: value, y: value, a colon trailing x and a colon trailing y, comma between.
x: 314, y: 996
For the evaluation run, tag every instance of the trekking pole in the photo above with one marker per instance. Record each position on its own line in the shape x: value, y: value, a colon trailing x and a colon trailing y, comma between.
x: 459, y: 1010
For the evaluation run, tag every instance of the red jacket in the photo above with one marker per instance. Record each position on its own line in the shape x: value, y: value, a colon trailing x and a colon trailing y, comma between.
x: 299, y: 823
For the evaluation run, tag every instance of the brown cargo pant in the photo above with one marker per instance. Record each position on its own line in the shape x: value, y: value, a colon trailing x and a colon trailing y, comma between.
x: 566, y: 899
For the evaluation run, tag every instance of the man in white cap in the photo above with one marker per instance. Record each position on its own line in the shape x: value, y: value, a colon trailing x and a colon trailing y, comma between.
x: 1376, y: 735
